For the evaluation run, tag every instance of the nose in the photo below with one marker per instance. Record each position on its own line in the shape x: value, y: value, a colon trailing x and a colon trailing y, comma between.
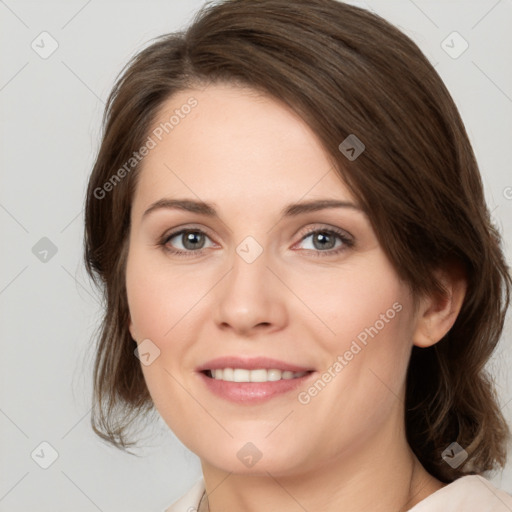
x: 250, y: 299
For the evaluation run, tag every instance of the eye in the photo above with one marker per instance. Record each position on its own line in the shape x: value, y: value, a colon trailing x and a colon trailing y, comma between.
x: 192, y: 242
x: 330, y: 241
x: 186, y: 241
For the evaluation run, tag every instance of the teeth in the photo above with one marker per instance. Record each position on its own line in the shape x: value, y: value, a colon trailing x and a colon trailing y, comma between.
x: 239, y: 375
x: 259, y: 375
x: 227, y: 374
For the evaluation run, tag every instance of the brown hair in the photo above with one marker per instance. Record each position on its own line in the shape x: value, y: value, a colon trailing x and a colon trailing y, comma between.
x: 345, y: 71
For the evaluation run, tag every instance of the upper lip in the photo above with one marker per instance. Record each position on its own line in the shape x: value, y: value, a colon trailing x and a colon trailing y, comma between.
x: 250, y: 363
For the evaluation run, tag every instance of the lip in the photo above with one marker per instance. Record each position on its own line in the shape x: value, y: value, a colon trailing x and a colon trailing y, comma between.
x: 250, y: 393
x: 251, y: 363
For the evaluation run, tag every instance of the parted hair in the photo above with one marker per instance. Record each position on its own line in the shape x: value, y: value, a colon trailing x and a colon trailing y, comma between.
x: 344, y: 71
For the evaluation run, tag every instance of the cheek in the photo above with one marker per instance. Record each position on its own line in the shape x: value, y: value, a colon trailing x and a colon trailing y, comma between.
x: 164, y: 304
x: 368, y: 319
x: 158, y: 303
x: 159, y: 298
x: 362, y: 300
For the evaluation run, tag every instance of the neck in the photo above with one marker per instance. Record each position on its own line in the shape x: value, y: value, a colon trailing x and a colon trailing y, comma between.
x: 382, y: 476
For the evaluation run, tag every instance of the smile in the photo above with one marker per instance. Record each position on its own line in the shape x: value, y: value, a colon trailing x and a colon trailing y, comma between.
x: 256, y: 375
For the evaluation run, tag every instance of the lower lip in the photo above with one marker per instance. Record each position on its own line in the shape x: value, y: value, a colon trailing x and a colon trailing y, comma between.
x: 252, y: 392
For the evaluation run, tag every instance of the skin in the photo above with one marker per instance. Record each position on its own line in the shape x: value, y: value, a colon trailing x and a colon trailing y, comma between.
x: 250, y: 156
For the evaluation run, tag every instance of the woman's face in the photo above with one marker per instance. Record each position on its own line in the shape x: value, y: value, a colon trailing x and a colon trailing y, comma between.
x: 248, y: 252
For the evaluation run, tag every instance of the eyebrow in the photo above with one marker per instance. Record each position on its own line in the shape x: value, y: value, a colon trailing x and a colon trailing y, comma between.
x: 208, y: 209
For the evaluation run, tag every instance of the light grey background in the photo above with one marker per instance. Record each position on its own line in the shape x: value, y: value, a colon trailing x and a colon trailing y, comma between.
x: 50, y: 125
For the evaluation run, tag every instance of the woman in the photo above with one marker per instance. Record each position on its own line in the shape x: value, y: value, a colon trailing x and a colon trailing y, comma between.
x: 300, y: 271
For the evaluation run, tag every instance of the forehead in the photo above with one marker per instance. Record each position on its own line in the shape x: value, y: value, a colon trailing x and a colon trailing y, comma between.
x: 227, y: 143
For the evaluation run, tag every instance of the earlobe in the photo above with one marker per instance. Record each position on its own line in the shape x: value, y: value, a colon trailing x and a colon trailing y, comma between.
x: 436, y: 314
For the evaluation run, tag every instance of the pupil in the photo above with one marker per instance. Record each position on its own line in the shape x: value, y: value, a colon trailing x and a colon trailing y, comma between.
x: 191, y: 240
x: 323, y: 241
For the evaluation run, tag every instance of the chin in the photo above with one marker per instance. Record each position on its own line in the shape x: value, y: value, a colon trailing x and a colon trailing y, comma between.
x: 253, y: 458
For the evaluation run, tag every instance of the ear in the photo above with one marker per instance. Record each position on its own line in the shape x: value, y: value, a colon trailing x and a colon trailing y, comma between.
x: 437, y: 314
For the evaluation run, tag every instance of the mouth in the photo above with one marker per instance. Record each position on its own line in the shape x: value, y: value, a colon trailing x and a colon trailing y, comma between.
x: 252, y: 380
x: 257, y: 375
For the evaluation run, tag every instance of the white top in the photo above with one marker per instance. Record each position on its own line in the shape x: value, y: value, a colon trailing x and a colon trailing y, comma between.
x: 467, y: 494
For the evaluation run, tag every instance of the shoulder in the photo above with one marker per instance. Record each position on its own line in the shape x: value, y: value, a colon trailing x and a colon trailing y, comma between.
x: 469, y: 493
x: 189, y: 502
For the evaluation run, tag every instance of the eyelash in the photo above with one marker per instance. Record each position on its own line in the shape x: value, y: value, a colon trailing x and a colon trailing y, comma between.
x: 342, y: 235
